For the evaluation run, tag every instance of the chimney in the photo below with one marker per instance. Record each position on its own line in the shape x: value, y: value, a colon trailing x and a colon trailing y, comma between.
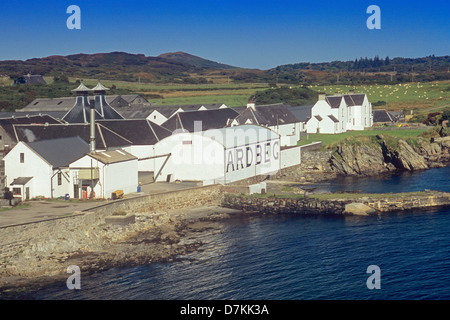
x: 99, y: 98
x: 92, y: 131
x: 82, y: 99
x: 97, y: 105
x: 83, y: 103
x: 322, y: 96
x: 251, y: 104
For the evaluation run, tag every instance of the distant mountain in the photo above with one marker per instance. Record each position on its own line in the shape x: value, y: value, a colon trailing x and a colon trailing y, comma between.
x: 187, y: 58
x: 114, y: 66
x: 181, y: 67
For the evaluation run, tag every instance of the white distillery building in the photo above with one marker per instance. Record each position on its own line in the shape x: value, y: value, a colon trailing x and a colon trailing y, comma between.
x: 340, y: 113
x: 41, y: 168
x: 218, y: 155
x: 103, y: 172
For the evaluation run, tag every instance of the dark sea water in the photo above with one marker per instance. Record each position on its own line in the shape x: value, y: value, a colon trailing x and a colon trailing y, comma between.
x: 295, y: 257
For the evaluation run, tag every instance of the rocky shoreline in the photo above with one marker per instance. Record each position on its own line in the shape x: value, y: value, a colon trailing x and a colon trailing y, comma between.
x: 157, y: 237
x: 370, y: 156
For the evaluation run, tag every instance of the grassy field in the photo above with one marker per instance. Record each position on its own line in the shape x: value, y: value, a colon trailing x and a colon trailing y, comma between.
x: 398, y: 93
x: 329, y: 139
x: 421, y: 98
x: 232, y: 94
x: 229, y: 100
x: 414, y: 98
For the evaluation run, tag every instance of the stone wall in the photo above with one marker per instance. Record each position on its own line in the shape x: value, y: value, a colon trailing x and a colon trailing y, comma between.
x: 178, y: 199
x: 316, y: 160
x: 47, y: 238
x: 274, y: 205
x: 434, y: 199
x: 27, y: 246
x: 279, y: 205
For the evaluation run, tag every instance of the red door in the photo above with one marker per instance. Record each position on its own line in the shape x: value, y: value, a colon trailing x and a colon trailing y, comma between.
x: 84, y: 193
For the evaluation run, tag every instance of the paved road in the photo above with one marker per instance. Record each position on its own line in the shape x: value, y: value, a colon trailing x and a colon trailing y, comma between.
x: 43, y: 210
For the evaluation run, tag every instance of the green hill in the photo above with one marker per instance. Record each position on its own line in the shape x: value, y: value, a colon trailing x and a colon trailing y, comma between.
x: 190, y: 59
x: 113, y: 66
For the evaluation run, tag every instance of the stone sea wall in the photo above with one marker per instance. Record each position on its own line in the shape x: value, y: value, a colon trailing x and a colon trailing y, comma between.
x: 336, y: 206
x: 37, y: 249
x: 274, y: 205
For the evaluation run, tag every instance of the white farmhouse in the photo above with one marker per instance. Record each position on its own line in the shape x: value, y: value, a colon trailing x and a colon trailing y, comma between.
x: 359, y: 111
x: 340, y: 113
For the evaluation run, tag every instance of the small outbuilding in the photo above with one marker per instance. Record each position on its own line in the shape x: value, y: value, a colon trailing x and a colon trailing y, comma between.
x: 99, y: 174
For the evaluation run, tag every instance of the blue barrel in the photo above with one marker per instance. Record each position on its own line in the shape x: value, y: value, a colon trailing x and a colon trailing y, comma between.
x: 66, y: 197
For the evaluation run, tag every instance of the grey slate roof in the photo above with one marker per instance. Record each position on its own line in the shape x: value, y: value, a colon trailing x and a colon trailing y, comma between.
x: 302, y: 113
x: 165, y: 110
x: 80, y: 113
x: 210, y: 119
x: 270, y: 115
x: 27, y: 119
x: 104, y: 137
x: 66, y: 103
x: 381, y: 116
x: 49, y: 104
x: 334, y: 101
x: 21, y: 181
x: 8, y: 123
x: 354, y: 99
x: 60, y: 152
x: 126, y: 100
x: 387, y: 116
x: 55, y: 114
x: 137, y: 131
x: 135, y: 112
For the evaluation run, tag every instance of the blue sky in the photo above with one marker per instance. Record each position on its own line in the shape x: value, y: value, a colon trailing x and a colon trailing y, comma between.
x: 247, y: 33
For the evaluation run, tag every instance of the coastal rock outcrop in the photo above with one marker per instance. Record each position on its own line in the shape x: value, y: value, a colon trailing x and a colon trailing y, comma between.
x: 358, y: 160
x: 436, y: 152
x: 403, y: 156
x: 370, y: 156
